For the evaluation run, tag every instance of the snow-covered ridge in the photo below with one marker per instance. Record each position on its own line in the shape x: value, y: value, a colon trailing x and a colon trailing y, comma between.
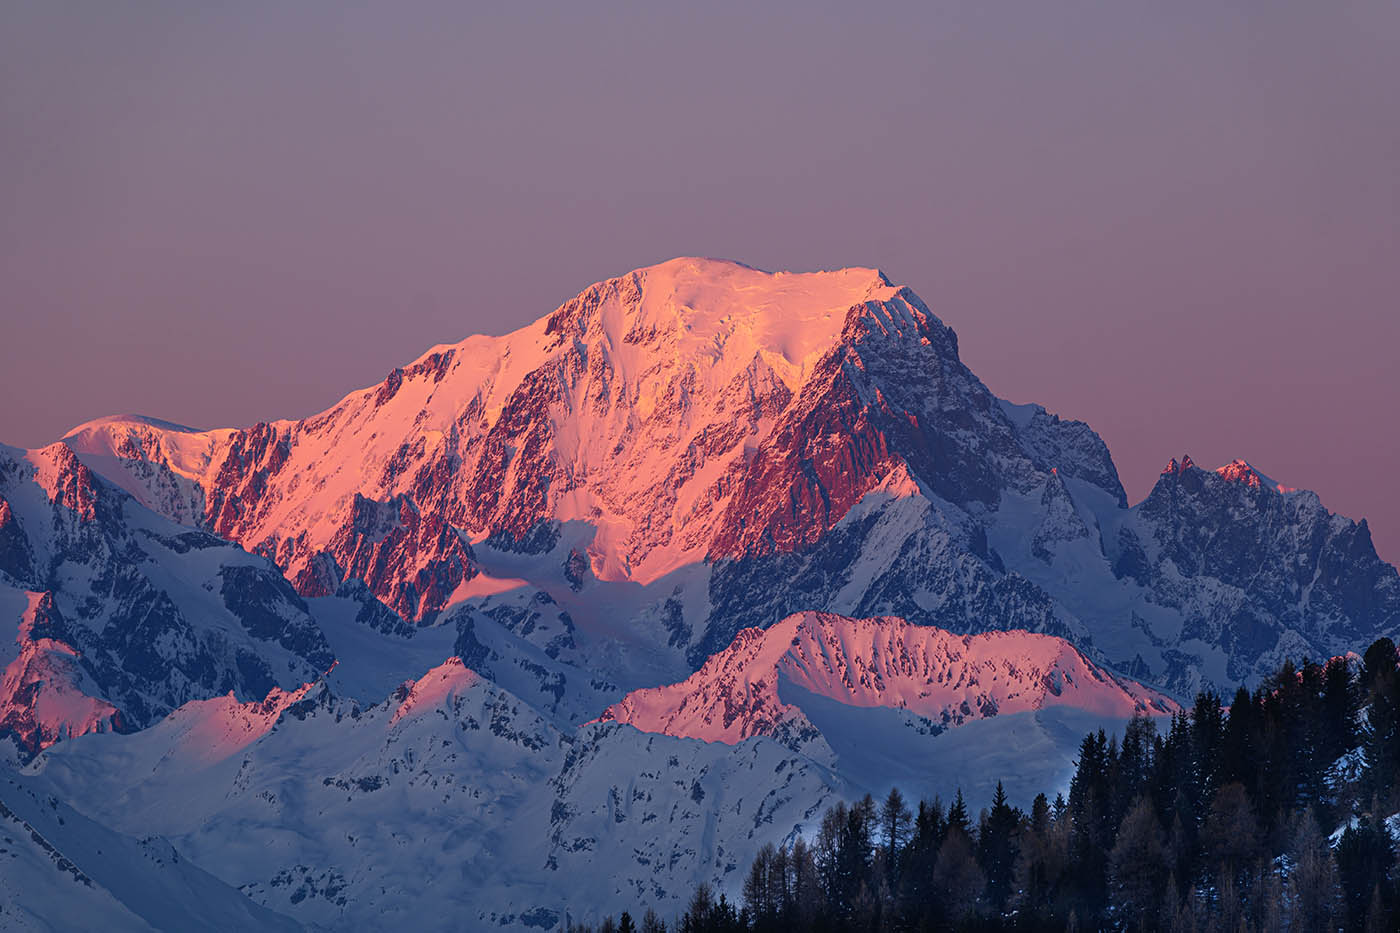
x: 626, y: 407
x: 1240, y: 471
x: 946, y: 678
x: 698, y: 447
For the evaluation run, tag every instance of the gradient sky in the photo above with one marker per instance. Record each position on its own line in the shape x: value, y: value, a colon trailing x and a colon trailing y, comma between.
x: 1177, y: 221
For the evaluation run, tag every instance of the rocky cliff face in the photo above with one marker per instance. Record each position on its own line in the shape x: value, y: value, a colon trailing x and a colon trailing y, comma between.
x: 118, y: 616
x: 1260, y: 571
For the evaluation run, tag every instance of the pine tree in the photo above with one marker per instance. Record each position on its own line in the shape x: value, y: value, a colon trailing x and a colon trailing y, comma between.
x: 1207, y: 735
x: 1231, y: 835
x: 1339, y: 709
x: 1238, y: 749
x: 760, y: 888
x: 1090, y: 793
x: 1381, y: 732
x: 894, y: 819
x: 807, y: 897
x: 1380, y: 660
x: 1312, y: 881
x: 997, y: 848
x: 957, y: 879
x: 1138, y: 867
x: 957, y: 816
x: 699, y: 916
x: 921, y: 852
x: 1040, y: 815
x: 1365, y: 856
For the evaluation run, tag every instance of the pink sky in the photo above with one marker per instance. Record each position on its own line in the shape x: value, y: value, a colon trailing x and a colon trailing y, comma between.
x: 1178, y: 222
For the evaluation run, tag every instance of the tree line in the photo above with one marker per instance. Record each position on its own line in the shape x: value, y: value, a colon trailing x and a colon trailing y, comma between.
x: 1266, y: 813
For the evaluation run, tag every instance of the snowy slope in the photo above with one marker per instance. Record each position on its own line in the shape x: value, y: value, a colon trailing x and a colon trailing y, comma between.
x: 61, y: 871
x: 944, y: 678
x: 341, y: 812
x: 450, y: 804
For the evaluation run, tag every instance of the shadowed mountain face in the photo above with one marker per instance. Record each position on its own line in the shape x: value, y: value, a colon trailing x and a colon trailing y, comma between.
x: 122, y: 615
x: 699, y: 447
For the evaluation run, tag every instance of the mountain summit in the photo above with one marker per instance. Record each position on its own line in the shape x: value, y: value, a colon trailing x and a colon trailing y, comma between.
x: 698, y: 447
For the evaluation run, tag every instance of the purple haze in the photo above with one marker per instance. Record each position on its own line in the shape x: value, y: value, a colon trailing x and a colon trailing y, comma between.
x: 1179, y: 222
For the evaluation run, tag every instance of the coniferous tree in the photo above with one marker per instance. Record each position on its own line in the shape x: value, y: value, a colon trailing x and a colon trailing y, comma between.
x: 1040, y: 814
x: 808, y: 901
x: 1312, y: 882
x: 1231, y: 837
x: 1090, y: 793
x: 894, y: 820
x: 1380, y: 660
x: 1381, y: 732
x: 699, y: 916
x: 1365, y: 859
x: 997, y: 848
x: 921, y: 852
x: 1042, y: 892
x: 957, y: 816
x: 1138, y: 868
x: 957, y: 879
x: 1339, y: 708
x: 1238, y: 752
x: 763, y: 889
x: 1207, y: 735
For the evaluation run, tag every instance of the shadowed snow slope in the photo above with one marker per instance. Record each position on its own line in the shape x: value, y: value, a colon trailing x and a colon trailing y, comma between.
x: 62, y: 871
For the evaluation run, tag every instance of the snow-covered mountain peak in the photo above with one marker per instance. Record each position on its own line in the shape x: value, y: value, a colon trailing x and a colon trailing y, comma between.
x: 714, y: 318
x: 436, y: 687
x: 698, y: 447
x: 887, y: 662
x: 129, y: 419
x: 1240, y: 471
x: 634, y: 407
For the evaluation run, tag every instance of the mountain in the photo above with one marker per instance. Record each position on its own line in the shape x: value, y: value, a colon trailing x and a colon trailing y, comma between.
x: 699, y: 447
x: 1257, y: 570
x: 943, y: 678
x: 345, y: 813
x: 120, y: 616
x: 449, y: 803
x: 583, y: 615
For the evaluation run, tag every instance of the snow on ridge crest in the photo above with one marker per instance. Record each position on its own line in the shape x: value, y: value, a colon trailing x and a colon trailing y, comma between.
x: 435, y: 687
x: 879, y: 662
x: 1240, y: 471
x: 627, y: 407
